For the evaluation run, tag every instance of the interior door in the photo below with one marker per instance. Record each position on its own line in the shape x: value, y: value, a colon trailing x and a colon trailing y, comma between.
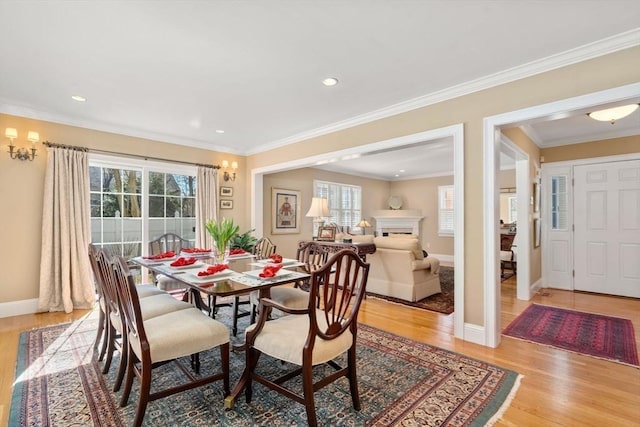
x: 607, y: 228
x: 558, y: 245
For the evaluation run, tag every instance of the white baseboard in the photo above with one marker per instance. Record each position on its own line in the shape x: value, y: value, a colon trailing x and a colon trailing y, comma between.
x: 17, y: 308
x: 475, y: 334
x: 444, y: 259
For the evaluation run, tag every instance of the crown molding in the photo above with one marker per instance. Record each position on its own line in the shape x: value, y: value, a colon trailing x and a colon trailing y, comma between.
x: 6, y: 107
x: 602, y: 47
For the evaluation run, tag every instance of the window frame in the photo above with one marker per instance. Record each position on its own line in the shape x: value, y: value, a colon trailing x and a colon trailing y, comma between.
x: 337, y: 212
x: 442, y: 190
x: 145, y: 166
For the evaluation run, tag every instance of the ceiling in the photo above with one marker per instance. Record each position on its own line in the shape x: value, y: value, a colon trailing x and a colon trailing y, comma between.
x: 178, y: 71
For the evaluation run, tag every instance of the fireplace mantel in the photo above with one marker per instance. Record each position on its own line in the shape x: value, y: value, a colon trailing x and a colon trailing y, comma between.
x: 398, y: 221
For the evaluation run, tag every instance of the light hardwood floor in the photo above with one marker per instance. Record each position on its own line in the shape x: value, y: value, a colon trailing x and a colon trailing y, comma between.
x: 559, y: 388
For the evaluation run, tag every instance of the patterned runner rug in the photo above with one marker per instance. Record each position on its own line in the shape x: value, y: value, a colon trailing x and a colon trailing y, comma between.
x: 605, y: 337
x: 402, y: 382
x: 442, y: 302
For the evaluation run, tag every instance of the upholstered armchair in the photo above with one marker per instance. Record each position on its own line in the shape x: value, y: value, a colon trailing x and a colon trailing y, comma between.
x: 400, y: 270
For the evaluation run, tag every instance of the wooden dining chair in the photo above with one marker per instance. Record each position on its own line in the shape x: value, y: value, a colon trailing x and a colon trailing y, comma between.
x: 264, y: 248
x: 154, y: 302
x: 312, y: 336
x: 153, y: 342
x: 507, y: 255
x: 165, y: 243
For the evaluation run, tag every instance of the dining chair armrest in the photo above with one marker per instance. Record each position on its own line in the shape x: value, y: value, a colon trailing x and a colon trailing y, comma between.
x: 267, y: 302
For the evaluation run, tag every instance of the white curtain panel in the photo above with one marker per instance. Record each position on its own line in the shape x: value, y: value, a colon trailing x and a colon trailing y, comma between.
x: 65, y: 273
x: 206, y: 204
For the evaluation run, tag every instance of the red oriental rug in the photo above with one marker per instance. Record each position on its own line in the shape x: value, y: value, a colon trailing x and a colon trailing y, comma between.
x: 597, y: 335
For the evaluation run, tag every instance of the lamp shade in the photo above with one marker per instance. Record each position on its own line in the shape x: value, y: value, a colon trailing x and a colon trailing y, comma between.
x: 319, y: 207
x: 11, y: 133
x: 363, y: 223
x: 613, y: 114
x: 33, y: 136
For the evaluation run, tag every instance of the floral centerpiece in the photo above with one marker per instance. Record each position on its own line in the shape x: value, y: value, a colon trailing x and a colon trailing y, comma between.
x: 222, y: 232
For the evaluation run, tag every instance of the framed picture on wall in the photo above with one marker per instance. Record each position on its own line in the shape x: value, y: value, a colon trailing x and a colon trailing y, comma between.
x: 285, y: 211
x: 226, y: 191
x: 536, y: 232
x: 536, y: 197
x: 226, y: 204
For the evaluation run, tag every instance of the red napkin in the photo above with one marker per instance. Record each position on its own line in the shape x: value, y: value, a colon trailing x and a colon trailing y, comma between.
x: 237, y: 251
x: 195, y: 250
x: 277, y: 258
x: 270, y: 270
x: 213, y: 269
x: 182, y: 261
x: 163, y: 255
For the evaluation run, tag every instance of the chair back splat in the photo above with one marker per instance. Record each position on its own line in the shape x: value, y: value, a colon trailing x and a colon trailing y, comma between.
x: 264, y: 248
x: 314, y: 335
x: 168, y: 242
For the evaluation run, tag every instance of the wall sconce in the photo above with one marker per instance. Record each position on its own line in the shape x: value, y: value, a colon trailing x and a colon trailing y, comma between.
x: 227, y: 176
x: 21, y: 153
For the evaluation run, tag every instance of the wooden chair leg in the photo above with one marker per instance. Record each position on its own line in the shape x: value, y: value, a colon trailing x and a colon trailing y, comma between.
x: 101, y: 329
x: 307, y: 387
x: 105, y: 341
x: 145, y: 388
x: 124, y: 400
x: 123, y: 364
x: 111, y: 347
x: 224, y: 358
x: 236, y: 303
x: 353, y: 378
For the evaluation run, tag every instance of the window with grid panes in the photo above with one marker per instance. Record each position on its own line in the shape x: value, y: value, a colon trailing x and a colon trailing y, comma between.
x: 345, y: 202
x: 446, y: 214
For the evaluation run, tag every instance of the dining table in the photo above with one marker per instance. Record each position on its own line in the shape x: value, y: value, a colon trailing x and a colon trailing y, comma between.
x: 241, y: 276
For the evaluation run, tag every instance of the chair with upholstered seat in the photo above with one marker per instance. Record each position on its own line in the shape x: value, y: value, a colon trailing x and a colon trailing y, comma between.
x: 154, y: 302
x: 165, y: 243
x: 507, y: 254
x: 311, y: 336
x: 158, y: 340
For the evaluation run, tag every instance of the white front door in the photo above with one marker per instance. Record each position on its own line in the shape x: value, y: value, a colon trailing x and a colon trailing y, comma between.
x: 607, y: 228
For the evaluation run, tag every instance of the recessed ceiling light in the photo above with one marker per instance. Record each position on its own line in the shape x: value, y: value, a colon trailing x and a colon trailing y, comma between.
x: 401, y: 170
x: 396, y: 175
x: 219, y: 131
x: 330, y: 81
x: 78, y: 98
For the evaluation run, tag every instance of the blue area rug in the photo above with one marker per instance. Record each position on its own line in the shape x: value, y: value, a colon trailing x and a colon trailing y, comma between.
x: 402, y: 382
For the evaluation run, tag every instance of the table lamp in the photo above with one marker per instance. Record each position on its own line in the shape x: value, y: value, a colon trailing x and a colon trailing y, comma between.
x: 319, y: 208
x: 363, y: 224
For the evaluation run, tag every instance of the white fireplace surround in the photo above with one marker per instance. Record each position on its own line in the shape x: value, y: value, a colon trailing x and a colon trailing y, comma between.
x: 398, y: 221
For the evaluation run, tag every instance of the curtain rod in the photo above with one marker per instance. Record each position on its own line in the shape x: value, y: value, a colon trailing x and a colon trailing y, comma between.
x: 137, y: 156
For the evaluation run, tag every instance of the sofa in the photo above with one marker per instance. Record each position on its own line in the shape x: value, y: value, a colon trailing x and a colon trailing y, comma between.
x: 400, y: 270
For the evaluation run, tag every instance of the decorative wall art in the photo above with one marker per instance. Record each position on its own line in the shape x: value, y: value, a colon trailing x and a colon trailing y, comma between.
x: 226, y: 204
x: 327, y: 233
x: 285, y: 211
x: 226, y: 191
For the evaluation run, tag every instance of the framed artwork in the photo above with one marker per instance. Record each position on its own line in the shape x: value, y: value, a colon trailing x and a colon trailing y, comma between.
x: 226, y: 204
x: 536, y: 232
x: 327, y: 233
x: 536, y: 197
x: 226, y: 191
x: 285, y: 211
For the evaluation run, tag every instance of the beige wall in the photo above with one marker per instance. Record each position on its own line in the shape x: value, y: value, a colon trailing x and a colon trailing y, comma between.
x: 22, y: 184
x: 586, y: 150
x: 374, y: 196
x: 22, y: 215
x: 528, y: 146
x: 422, y: 194
x: 613, y: 70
